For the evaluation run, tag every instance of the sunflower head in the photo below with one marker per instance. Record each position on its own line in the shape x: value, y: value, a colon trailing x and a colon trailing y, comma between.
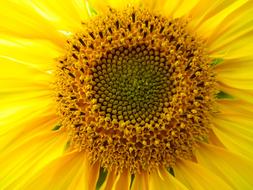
x: 126, y: 95
x: 135, y: 90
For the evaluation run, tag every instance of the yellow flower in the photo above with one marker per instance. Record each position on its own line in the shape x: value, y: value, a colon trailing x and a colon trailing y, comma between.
x: 113, y: 94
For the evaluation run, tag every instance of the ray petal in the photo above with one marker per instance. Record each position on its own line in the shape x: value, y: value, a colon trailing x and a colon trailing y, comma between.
x: 236, y: 73
x: 236, y: 170
x: 115, y: 181
x: 29, y: 157
x: 102, y: 6
x: 207, y: 14
x: 194, y: 176
x: 230, y: 38
x: 233, y: 126
x: 161, y: 179
x: 63, y: 173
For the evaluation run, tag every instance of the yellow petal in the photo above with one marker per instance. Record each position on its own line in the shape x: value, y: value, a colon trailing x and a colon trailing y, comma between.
x: 93, y: 175
x: 24, y: 125
x: 115, y: 181
x: 65, y: 172
x: 207, y: 14
x: 158, y: 179
x: 109, y: 181
x: 16, y: 76
x: 102, y: 6
x: 236, y: 73
x: 239, y: 94
x: 25, y: 96
x: 161, y: 179
x: 206, y: 9
x: 236, y: 170
x: 230, y: 108
x: 26, y: 65
x: 21, y: 117
x: 213, y: 139
x: 20, y: 163
x: 196, y: 177
x: 19, y: 18
x: 66, y: 16
x: 85, y: 178
x: 242, y: 145
x: 235, y: 43
x: 230, y: 38
x: 154, y: 5
x: 43, y: 19
x: 122, y: 181
x: 79, y: 179
x: 233, y: 126
x: 177, y: 8
x: 34, y: 54
x: 141, y: 181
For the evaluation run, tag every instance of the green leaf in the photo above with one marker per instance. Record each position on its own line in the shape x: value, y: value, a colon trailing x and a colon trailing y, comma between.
x: 56, y: 127
x: 224, y: 95
x: 216, y: 61
x: 101, y: 178
x: 171, y: 171
x: 132, y: 180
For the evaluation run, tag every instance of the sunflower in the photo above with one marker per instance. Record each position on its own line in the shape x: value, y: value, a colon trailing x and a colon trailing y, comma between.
x: 124, y: 95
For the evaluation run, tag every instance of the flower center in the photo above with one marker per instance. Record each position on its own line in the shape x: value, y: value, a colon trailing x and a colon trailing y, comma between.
x: 135, y: 90
x: 131, y: 84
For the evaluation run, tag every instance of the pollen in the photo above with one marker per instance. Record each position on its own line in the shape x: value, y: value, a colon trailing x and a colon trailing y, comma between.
x: 135, y: 90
